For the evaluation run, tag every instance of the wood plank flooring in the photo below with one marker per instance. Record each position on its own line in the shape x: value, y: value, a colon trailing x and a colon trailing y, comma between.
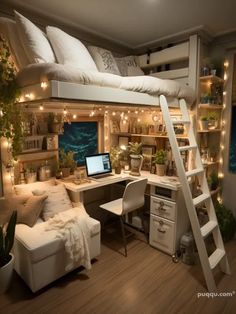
x: 147, y: 281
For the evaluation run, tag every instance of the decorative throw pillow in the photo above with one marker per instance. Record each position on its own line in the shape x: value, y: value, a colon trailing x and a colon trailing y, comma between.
x: 128, y: 66
x: 30, y: 187
x: 104, y: 60
x: 28, y: 207
x: 70, y: 50
x: 9, y: 32
x: 34, y: 41
x: 58, y: 201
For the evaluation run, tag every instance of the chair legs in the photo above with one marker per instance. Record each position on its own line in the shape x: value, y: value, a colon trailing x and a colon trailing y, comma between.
x: 123, y: 234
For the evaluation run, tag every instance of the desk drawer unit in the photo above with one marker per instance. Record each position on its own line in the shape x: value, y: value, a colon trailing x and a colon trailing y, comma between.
x: 162, y: 234
x: 163, y: 208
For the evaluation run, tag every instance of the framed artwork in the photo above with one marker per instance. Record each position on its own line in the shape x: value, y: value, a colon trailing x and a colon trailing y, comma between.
x: 115, y: 126
x: 147, y: 152
x: 81, y: 138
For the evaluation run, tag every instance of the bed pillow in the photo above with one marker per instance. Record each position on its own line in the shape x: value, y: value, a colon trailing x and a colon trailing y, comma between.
x: 9, y: 32
x: 28, y: 207
x: 36, y: 186
x: 57, y: 201
x: 34, y: 41
x: 128, y: 66
x: 104, y: 60
x: 70, y: 50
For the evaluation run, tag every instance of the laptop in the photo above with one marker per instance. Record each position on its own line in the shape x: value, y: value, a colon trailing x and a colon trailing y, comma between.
x: 98, y: 167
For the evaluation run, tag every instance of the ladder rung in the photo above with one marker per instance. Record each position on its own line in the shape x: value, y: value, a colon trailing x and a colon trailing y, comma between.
x: 188, y: 147
x: 194, y: 172
x: 216, y: 257
x: 180, y: 121
x: 200, y: 199
x: 208, y: 228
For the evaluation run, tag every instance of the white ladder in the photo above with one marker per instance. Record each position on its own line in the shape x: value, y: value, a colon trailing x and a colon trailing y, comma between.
x: 200, y: 233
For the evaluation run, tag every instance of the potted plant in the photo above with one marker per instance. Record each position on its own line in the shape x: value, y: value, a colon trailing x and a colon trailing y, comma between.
x: 212, y: 120
x: 203, y: 123
x: 54, y: 123
x: 11, y: 116
x: 213, y: 181
x: 136, y: 158
x: 7, y: 234
x: 67, y: 162
x: 115, y: 154
x: 30, y: 174
x: 226, y: 220
x: 159, y: 160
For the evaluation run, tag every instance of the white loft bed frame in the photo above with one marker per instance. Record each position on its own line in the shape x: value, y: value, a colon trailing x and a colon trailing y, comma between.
x: 71, y: 92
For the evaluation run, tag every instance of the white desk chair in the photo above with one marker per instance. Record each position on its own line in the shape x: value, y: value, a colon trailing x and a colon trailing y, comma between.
x: 133, y: 198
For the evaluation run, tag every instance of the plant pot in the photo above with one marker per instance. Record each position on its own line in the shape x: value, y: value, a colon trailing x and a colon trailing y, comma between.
x: 31, y: 177
x: 55, y: 127
x: 136, y: 164
x: 65, y: 172
x: 160, y: 169
x: 203, y: 125
x: 118, y: 170
x: 6, y: 275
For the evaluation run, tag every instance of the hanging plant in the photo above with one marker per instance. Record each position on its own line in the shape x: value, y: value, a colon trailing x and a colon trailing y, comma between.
x: 11, y: 116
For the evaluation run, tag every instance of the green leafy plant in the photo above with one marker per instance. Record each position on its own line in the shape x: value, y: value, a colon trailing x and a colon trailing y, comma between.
x: 213, y: 180
x: 7, y: 235
x: 204, y: 118
x: 115, y: 154
x: 160, y: 157
x: 135, y: 148
x: 11, y: 117
x: 226, y: 220
x: 67, y: 159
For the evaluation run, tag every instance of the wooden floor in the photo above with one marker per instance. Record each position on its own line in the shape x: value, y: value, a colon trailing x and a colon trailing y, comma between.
x: 147, y: 281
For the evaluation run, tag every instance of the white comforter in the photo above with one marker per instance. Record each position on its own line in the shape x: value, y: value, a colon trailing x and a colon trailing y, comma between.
x: 36, y: 73
x: 75, y: 233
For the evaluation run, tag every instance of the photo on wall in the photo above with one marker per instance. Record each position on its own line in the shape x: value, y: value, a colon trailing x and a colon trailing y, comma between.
x: 81, y: 138
x: 232, y: 147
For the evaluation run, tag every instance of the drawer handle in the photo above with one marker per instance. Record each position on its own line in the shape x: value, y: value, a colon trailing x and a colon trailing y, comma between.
x: 161, y: 231
x: 161, y: 208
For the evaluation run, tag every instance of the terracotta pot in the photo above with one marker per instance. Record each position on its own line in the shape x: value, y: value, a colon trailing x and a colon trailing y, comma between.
x: 118, y: 170
x: 136, y: 164
x: 6, y: 275
x: 160, y: 169
x: 65, y: 172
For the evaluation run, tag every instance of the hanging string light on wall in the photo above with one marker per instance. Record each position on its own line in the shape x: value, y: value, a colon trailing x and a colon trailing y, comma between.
x: 223, y: 125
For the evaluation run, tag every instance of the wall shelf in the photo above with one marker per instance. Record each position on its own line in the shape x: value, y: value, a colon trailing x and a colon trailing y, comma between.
x: 210, y: 106
x: 38, y: 152
x: 209, y: 131
x: 210, y: 164
x: 149, y: 135
x: 211, y: 78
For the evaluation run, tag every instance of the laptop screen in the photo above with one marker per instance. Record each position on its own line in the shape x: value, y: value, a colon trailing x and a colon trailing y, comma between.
x: 98, y: 164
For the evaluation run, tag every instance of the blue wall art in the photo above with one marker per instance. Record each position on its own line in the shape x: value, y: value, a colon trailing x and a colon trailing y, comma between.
x: 232, y: 147
x: 81, y: 138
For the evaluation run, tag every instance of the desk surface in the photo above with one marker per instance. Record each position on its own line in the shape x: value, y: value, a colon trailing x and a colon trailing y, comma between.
x: 153, y: 179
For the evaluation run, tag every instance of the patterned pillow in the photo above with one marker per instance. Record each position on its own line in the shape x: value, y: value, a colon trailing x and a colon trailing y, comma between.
x: 104, y: 60
x: 58, y: 201
x: 128, y: 66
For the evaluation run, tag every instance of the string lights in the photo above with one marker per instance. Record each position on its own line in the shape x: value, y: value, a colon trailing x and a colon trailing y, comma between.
x: 223, y: 124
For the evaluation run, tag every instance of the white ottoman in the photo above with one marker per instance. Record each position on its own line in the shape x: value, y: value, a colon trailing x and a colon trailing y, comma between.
x: 40, y: 258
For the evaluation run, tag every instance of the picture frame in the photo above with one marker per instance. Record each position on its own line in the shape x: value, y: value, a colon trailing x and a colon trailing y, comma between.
x: 148, y: 151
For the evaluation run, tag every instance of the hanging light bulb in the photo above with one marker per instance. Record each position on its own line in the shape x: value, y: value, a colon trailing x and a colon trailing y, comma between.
x: 136, y: 111
x: 41, y: 107
x: 65, y: 111
x: 226, y: 63
x: 113, y: 113
x: 139, y: 120
x: 74, y: 116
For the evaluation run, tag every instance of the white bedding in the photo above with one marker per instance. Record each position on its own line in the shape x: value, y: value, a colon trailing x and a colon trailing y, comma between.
x: 36, y: 73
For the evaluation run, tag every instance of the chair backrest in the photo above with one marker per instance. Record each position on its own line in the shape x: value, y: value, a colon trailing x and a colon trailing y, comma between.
x: 133, y: 197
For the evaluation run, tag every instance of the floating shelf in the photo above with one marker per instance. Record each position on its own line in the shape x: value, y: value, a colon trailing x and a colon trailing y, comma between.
x: 209, y: 106
x: 39, y: 151
x: 149, y: 135
x: 210, y: 163
x: 212, y: 78
x: 216, y: 191
x: 209, y: 131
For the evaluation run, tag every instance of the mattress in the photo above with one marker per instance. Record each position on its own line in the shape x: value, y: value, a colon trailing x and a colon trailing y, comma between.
x: 37, y: 73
